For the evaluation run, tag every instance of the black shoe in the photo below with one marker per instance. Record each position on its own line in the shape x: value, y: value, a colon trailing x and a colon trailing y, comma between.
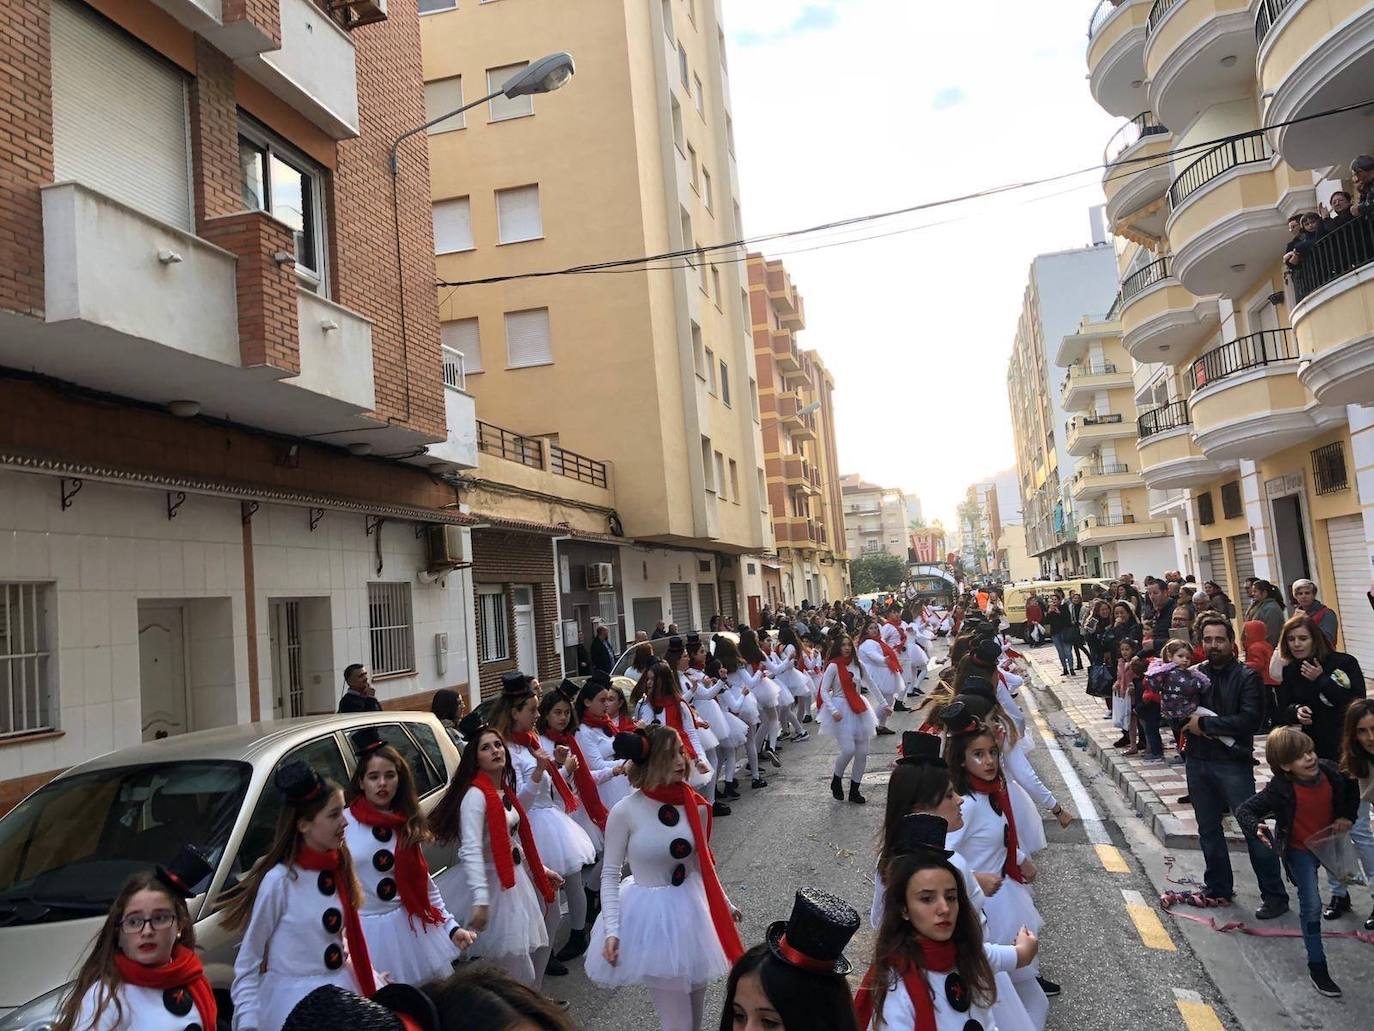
x: 901, y: 706
x: 886, y: 730
x: 1337, y: 907
x: 1369, y: 924
x: 1078, y: 669
x: 1048, y: 987
x: 1185, y: 799
x: 577, y: 944
x: 758, y: 782
x: 1321, y: 980
x: 801, y: 735
x: 731, y: 789
x: 837, y: 788
x: 1122, y: 741
x: 807, y: 718
x: 1271, y: 908
x: 721, y: 809
x: 554, y: 968
x: 854, y: 795
x: 772, y: 757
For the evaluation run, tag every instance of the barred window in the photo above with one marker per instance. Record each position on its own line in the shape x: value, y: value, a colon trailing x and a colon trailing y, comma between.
x: 493, y: 630
x: 390, y: 629
x: 27, y: 703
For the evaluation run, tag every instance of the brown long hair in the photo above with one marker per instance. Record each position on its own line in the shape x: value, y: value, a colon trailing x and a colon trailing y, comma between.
x: 749, y: 646
x: 1321, y: 647
x: 896, y: 948
x: 407, y: 800
x: 656, y: 770
x: 502, y: 717
x: 444, y: 818
x: 728, y: 654
x: 956, y: 748
x: 1355, y: 761
x: 238, y: 902
x: 99, y: 968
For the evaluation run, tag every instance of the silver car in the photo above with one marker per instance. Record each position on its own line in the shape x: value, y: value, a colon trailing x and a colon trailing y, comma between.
x: 66, y: 850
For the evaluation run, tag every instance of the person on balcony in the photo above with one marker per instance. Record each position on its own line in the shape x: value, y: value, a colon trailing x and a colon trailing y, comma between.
x: 1362, y: 171
x: 1310, y: 231
x: 1339, y: 213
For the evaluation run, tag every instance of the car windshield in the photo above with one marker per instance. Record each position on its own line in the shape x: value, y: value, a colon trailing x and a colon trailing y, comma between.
x: 66, y: 851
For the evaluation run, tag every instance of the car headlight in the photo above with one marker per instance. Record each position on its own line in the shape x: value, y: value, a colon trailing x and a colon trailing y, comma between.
x: 39, y: 1014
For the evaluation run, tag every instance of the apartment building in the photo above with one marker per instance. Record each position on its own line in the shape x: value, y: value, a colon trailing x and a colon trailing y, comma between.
x: 797, y: 414
x: 649, y: 373
x: 226, y: 416
x: 1057, y: 289
x: 1251, y: 377
x: 874, y: 518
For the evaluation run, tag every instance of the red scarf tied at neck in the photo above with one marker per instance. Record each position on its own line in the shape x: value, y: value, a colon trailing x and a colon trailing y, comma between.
x: 625, y: 724
x: 672, y: 717
x: 565, y: 795
x: 183, y: 970
x: 889, y: 656
x: 601, y: 723
x: 582, y: 777
x: 896, y: 624
x: 997, y: 788
x: 680, y: 794
x: 937, y: 957
x: 851, y: 693
x: 308, y: 859
x: 499, y: 834
x: 412, y: 870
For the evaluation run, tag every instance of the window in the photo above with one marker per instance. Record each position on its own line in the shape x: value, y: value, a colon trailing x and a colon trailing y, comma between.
x: 25, y: 670
x: 388, y: 622
x: 698, y: 352
x: 730, y: 134
x: 720, y: 474
x: 748, y: 315
x: 715, y: 284
x: 692, y: 163
x: 441, y: 96
x: 754, y: 398
x: 1206, y: 516
x: 503, y: 107
x: 527, y: 338
x: 720, y: 40
x: 493, y: 632
x: 517, y: 215
x: 707, y: 194
x: 463, y: 337
x: 734, y: 482
x: 452, y: 226
x: 699, y: 95
x: 679, y: 136
x: 724, y: 382
x: 668, y: 17
x: 688, y: 241
x: 711, y: 371
x: 763, y: 491
x: 706, y: 467
x: 683, y: 72
x: 276, y: 179
x: 430, y: 6
x: 739, y: 224
x: 1232, y: 507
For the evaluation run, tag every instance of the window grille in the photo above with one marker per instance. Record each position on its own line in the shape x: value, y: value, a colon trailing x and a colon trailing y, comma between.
x: 26, y: 692
x: 389, y: 625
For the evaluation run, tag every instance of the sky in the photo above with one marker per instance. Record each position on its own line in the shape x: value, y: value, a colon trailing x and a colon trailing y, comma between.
x: 846, y: 107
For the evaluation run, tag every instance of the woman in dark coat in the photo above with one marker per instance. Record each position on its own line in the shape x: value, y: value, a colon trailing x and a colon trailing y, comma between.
x: 1318, y: 685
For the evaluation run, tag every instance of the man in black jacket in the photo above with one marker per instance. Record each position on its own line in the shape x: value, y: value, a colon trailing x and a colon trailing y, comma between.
x: 602, y: 656
x: 1222, y: 775
x: 1162, y: 606
x: 359, y: 695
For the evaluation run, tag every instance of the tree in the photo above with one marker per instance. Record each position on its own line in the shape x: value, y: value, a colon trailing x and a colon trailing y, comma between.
x: 876, y: 572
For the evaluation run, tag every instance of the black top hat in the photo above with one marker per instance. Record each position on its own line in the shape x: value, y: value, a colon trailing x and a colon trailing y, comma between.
x: 568, y: 690
x: 330, y: 1007
x: 632, y: 745
x: 921, y: 832
x: 366, y: 741
x: 298, y: 782
x: 814, y: 936
x: 920, y: 749
x: 187, y: 869
x: 977, y: 703
x: 980, y: 688
x: 515, y: 684
x: 601, y: 678
x: 986, y: 652
x: 957, y: 719
x: 694, y: 638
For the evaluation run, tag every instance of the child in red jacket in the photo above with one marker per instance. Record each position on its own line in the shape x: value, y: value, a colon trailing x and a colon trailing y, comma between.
x: 1258, y: 651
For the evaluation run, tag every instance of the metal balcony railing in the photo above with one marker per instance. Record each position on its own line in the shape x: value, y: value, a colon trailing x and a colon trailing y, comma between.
x: 1248, y: 352
x: 1105, y: 469
x: 494, y: 440
x: 1170, y: 417
x: 1266, y: 15
x: 1104, y: 10
x: 1155, y: 272
x: 1157, y: 12
x: 1341, y: 250
x: 563, y: 462
x: 1100, y: 369
x: 455, y: 374
x: 1251, y: 149
x: 1142, y: 125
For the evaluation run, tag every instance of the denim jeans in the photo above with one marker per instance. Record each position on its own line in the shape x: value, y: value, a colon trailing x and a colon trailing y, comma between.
x: 1212, y: 782
x: 1303, y: 867
x: 1362, y: 837
x: 1065, y: 652
x: 1147, y: 713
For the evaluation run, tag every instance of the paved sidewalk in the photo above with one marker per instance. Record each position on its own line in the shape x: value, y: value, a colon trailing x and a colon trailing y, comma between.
x: 1153, y: 790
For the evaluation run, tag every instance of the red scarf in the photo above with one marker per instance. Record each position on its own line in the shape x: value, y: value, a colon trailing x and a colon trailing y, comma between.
x: 672, y: 717
x: 582, y: 777
x: 308, y: 859
x: 851, y: 693
x: 938, y: 957
x: 499, y: 834
x: 896, y: 624
x: 680, y: 794
x: 893, y: 663
x: 412, y: 871
x: 998, y: 788
x: 601, y: 723
x: 798, y: 659
x: 183, y: 970
x: 565, y: 795
x: 625, y: 724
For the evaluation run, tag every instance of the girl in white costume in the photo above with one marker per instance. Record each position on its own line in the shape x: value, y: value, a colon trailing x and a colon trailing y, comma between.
x: 917, y: 655
x: 845, y: 715
x: 741, y: 680
x: 595, y: 734
x: 878, y: 659
x: 660, y: 701
x: 702, y: 690
x: 789, y: 670
x: 766, y: 693
x: 815, y: 666
x: 668, y: 926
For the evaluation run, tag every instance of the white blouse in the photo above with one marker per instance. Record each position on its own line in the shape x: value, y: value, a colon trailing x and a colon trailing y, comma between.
x: 374, y: 861
x: 900, y: 1012
x: 475, y: 850
x: 140, y: 1009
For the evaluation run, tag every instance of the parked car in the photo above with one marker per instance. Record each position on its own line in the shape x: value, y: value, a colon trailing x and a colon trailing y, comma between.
x: 66, y: 850
x: 1014, y: 597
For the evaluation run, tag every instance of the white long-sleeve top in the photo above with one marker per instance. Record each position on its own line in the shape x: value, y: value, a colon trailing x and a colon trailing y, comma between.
x: 900, y: 1012
x: 645, y: 713
x: 893, y: 636
x: 832, y: 691
x: 874, y: 662
x: 534, y: 787
x: 981, y: 841
x: 374, y: 861
x: 140, y: 1009
x: 738, y: 684
x: 1018, y: 767
x: 702, y: 687
x: 474, y: 852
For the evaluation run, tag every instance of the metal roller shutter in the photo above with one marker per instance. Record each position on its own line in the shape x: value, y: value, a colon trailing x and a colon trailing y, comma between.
x: 729, y: 605
x: 1350, y: 561
x: 1243, y: 556
x: 119, y: 117
x: 706, y: 598
x: 680, y: 602
x: 1216, y: 559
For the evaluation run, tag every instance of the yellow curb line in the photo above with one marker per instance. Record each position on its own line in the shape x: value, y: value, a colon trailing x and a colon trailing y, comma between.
x: 1112, y: 859
x: 1147, y: 923
x: 1197, y: 1015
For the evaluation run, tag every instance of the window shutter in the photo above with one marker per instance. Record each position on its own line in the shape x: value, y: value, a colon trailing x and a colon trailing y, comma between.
x: 441, y: 96
x: 452, y: 226
x: 130, y: 143
x: 527, y: 338
x: 517, y: 214
x: 503, y: 107
x: 462, y: 336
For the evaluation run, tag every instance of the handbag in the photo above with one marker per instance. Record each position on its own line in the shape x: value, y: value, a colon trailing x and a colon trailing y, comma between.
x: 1100, y: 681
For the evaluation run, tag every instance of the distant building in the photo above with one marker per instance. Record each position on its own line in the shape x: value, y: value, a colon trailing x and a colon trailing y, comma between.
x: 874, y: 518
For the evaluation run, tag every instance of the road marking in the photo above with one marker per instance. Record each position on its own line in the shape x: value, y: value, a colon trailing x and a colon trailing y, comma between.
x: 1147, y: 922
x: 1197, y: 1015
x: 1082, y: 801
x: 1112, y: 859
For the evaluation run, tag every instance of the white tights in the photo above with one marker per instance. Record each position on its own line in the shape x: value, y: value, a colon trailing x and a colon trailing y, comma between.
x: 804, y: 701
x: 769, y: 727
x: 725, y: 763
x: 752, y: 747
x: 790, y: 722
x: 573, y: 885
x: 678, y: 1010
x: 856, y: 751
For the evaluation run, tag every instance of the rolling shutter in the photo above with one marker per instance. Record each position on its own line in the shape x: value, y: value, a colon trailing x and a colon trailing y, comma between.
x: 452, y: 226
x: 1350, y: 562
x: 706, y: 598
x: 517, y: 214
x: 1216, y: 560
x: 729, y: 605
x: 527, y: 338
x: 680, y: 598
x: 119, y: 117
x: 1244, y: 557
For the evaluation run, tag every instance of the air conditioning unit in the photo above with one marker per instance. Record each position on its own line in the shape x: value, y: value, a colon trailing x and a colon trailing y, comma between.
x: 365, y: 12
x: 446, y: 546
x: 600, y: 575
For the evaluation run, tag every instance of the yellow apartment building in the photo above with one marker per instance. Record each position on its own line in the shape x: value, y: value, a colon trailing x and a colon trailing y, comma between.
x: 1250, y: 376
x: 874, y: 518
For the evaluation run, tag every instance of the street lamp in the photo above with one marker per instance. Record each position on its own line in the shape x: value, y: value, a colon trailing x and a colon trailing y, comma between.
x: 542, y: 76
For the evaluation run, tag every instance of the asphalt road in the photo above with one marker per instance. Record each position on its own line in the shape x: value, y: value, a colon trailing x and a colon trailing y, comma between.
x: 793, y: 833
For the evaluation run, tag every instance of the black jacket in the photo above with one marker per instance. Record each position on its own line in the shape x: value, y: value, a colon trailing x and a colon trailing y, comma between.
x: 1236, y: 695
x: 602, y: 656
x: 1163, y: 621
x: 354, y: 702
x: 1110, y: 641
x: 1326, y: 698
x: 1279, y: 800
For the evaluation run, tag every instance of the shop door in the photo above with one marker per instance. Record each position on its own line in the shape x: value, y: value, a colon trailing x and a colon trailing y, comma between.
x: 1290, y: 541
x: 1350, y: 561
x: 647, y: 612
x: 162, y: 671
x: 1216, y: 570
x: 526, y: 649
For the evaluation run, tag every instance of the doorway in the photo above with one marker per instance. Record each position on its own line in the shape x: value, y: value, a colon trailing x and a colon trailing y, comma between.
x: 1290, y: 540
x: 526, y: 649
x: 162, y: 671
x: 288, y: 679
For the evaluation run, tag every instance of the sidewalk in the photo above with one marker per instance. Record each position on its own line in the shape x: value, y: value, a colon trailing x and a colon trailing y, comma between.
x: 1153, y: 790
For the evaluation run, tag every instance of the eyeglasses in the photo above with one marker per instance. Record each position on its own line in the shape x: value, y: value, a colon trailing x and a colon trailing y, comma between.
x: 134, y: 924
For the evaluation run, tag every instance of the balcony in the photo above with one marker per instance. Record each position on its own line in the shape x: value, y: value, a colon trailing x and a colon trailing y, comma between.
x: 315, y: 70
x: 1197, y: 54
x: 1228, y: 215
x: 1169, y: 457
x: 1098, y: 479
x: 1116, y: 55
x: 1248, y: 402
x: 789, y: 412
x: 1092, y: 328
x: 1316, y: 56
x: 1334, y: 317
x: 1159, y: 317
x: 459, y: 450
x: 336, y: 353
x: 784, y: 296
x: 1089, y: 431
x: 1137, y: 179
x: 785, y: 353
x: 1094, y: 531
x: 1086, y: 380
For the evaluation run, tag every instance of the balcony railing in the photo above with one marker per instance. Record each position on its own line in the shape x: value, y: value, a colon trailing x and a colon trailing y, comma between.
x: 1161, y: 420
x: 1105, y: 469
x: 1138, y: 281
x: 1100, y: 369
x: 563, y: 462
x: 1130, y: 134
x: 1252, y: 148
x: 1248, y: 352
x: 1157, y: 12
x: 1104, y: 10
x: 455, y: 374
x: 513, y: 447
x: 1268, y: 13
x: 1089, y: 522
x: 1095, y: 420
x: 1341, y: 250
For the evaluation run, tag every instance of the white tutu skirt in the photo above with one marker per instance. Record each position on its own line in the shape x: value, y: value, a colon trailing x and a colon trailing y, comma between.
x: 613, y: 790
x: 515, y: 924
x: 709, y: 741
x: 748, y: 712
x: 407, y: 950
x: 593, y: 832
x: 667, y: 939
x: 1030, y: 827
x: 1009, y: 1011
x: 851, y: 726
x: 278, y: 994
x: 729, y: 729
x: 795, y: 682
x: 699, y: 780
x: 766, y: 693
x: 785, y: 695
x: 1008, y: 911
x: 453, y: 886
x: 563, y: 845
